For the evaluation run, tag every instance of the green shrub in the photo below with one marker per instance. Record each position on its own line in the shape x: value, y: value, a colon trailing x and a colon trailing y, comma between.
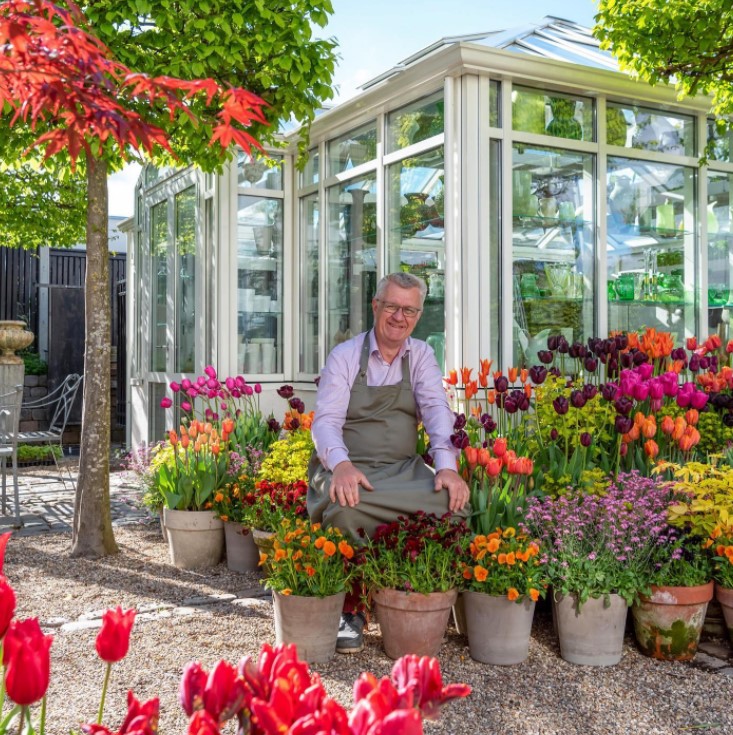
x: 38, y: 452
x: 33, y: 363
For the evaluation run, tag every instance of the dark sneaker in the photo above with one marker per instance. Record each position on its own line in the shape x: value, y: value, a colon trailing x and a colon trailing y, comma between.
x: 351, y: 633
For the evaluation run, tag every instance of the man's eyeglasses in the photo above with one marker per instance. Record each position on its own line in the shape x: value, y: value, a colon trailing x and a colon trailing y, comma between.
x: 410, y: 312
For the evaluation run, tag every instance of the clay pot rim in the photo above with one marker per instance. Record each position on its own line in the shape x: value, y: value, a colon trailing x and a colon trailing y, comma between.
x: 724, y: 591
x: 693, y: 595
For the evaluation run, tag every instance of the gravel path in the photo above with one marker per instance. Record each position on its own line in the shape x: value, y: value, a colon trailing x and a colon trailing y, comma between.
x: 188, y: 615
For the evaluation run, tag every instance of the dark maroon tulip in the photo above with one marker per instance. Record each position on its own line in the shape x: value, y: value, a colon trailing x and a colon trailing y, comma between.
x: 627, y: 360
x: 640, y: 358
x: 538, y: 374
x: 577, y: 399
x: 590, y: 364
x: 510, y: 405
x: 297, y: 405
x: 728, y: 420
x: 694, y: 363
x: 460, y: 421
x: 704, y: 363
x: 561, y: 405
x: 286, y: 391
x: 623, y: 424
x: 273, y: 425
x: 562, y: 345
x: 624, y: 406
x: 552, y: 342
x: 501, y: 384
x: 460, y: 439
x: 488, y: 423
x: 622, y: 341
x: 609, y: 390
x: 585, y: 439
x: 545, y: 357
x: 589, y: 391
x: 554, y: 434
x: 554, y: 371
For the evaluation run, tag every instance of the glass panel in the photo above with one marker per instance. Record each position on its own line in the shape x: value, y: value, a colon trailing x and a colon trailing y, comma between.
x: 157, y: 426
x: 648, y: 130
x: 559, y: 115
x: 259, y: 172
x: 259, y: 284
x: 553, y: 247
x: 495, y: 199
x: 211, y: 289
x: 185, y: 208
x: 720, y: 252
x: 310, y: 223
x: 351, y: 276
x: 415, y: 122
x: 159, y: 285
x: 494, y: 104
x: 352, y: 149
x: 651, y: 254
x: 416, y: 235
x: 719, y: 140
x: 310, y: 172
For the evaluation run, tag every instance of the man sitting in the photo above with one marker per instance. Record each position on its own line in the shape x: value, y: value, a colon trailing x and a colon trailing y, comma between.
x: 374, y: 390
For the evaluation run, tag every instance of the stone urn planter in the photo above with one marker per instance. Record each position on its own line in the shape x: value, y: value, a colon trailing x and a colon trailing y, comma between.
x: 265, y: 543
x: 13, y: 337
x: 412, y: 622
x: 591, y: 634
x: 195, y: 538
x: 242, y: 552
x: 724, y: 595
x: 311, y: 623
x: 669, y: 622
x: 498, y: 629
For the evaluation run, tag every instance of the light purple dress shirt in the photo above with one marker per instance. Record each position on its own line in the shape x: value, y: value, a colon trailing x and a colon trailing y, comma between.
x: 334, y: 392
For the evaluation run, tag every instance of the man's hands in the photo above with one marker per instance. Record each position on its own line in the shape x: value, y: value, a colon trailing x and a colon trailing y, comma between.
x: 345, y: 483
x: 458, y: 493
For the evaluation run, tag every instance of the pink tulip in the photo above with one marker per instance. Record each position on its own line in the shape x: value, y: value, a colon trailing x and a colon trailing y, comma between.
x: 175, y: 387
x: 185, y: 406
x: 645, y: 370
x: 641, y: 391
x: 656, y: 389
x: 185, y: 384
x: 248, y: 391
x: 210, y: 371
x: 258, y: 388
x: 201, y: 381
x: 698, y: 399
x: 165, y: 402
x: 230, y: 383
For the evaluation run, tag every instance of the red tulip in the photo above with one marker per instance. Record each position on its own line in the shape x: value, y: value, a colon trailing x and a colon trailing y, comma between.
x: 191, y: 691
x: 141, y: 719
x: 493, y: 466
x: 224, y: 692
x: 202, y: 723
x: 500, y: 447
x: 7, y: 605
x: 113, y: 640
x: 27, y: 661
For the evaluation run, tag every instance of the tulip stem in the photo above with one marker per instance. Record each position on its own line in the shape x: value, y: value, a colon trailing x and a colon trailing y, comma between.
x: 23, y: 712
x: 104, y: 693
x: 42, y: 719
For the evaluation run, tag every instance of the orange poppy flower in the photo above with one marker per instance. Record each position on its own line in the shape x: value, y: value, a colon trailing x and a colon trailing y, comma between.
x: 329, y: 548
x: 480, y: 573
x: 501, y: 559
x: 511, y: 559
x: 512, y: 594
x: 493, y: 545
x: 346, y: 550
x: 467, y: 573
x: 310, y: 571
x: 534, y: 594
x: 280, y: 554
x: 319, y: 542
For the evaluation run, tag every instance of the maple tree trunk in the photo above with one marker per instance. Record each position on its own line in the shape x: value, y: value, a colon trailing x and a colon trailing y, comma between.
x: 92, y: 533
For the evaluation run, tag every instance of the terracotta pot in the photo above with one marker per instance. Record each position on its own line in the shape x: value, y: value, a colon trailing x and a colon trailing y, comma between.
x: 498, y: 630
x: 311, y: 623
x: 411, y: 622
x: 724, y: 595
x: 13, y: 336
x: 242, y: 552
x: 669, y: 622
x: 195, y: 538
x: 264, y: 540
x: 592, y: 635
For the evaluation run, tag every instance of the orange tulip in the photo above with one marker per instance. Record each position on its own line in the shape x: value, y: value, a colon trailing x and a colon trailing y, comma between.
x: 483, y: 380
x: 471, y: 457
x: 215, y: 448
x: 667, y: 425
x: 452, y: 378
x: 173, y: 437
x: 500, y: 447
x: 466, y: 375
x: 485, y: 367
x: 651, y: 449
x: 528, y: 390
x: 491, y: 397
x: 476, y: 411
x: 692, y: 416
x: 513, y: 374
x: 523, y: 375
x: 679, y: 427
x: 227, y: 425
x: 639, y: 419
x: 185, y: 441
x: 471, y: 389
x: 493, y: 466
x: 685, y: 443
x: 484, y: 455
x: 649, y: 428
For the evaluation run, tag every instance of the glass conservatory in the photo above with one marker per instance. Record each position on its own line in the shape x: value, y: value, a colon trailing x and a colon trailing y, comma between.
x: 535, y: 188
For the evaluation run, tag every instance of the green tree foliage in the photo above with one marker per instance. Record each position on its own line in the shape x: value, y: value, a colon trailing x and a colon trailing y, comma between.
x: 688, y: 43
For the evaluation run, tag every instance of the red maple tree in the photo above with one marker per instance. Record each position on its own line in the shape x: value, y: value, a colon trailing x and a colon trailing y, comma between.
x: 57, y: 79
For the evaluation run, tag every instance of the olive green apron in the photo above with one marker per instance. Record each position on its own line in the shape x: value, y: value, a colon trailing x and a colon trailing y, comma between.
x: 380, y: 433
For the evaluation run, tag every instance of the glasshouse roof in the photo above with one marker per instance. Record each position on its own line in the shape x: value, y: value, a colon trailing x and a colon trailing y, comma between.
x: 551, y: 38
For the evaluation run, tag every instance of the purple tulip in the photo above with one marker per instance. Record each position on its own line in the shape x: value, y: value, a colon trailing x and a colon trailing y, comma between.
x: 609, y: 391
x: 552, y: 342
x: 460, y: 439
x: 501, y: 384
x: 590, y: 364
x: 510, y: 405
x: 554, y: 434
x: 623, y: 424
x: 561, y: 405
x: 523, y: 402
x: 460, y: 421
x: 645, y: 371
x: 728, y: 420
x: 704, y: 363
x: 656, y: 389
x: 655, y: 404
x: 678, y: 354
x: 640, y: 358
x: 589, y: 391
x: 297, y: 405
x: 165, y: 402
x: 555, y: 371
x: 286, y: 391
x: 585, y: 439
x: 185, y: 406
x: 538, y: 374
x: 714, y: 363
x: 545, y: 356
x: 488, y: 423
x: 210, y: 371
x: 577, y: 399
x: 627, y: 360
x: 562, y: 345
x: 623, y: 406
x: 273, y: 425
x: 294, y: 424
x: 622, y: 341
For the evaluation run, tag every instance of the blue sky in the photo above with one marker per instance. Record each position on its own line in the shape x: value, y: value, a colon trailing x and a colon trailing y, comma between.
x: 375, y: 35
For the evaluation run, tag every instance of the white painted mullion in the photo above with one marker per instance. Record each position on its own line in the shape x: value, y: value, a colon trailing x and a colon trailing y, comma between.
x: 506, y: 317
x: 601, y: 229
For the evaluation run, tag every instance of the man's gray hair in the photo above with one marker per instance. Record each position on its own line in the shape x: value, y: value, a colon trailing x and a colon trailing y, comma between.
x: 403, y: 280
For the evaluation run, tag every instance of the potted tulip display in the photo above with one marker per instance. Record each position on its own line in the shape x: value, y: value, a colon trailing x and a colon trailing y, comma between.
x: 503, y: 577
x: 412, y: 569
x: 308, y: 570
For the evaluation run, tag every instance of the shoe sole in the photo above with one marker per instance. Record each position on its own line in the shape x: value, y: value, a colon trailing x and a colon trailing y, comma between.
x: 354, y: 649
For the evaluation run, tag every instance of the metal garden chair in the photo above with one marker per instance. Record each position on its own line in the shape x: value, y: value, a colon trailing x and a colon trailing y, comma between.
x: 9, y: 418
x: 59, y: 402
